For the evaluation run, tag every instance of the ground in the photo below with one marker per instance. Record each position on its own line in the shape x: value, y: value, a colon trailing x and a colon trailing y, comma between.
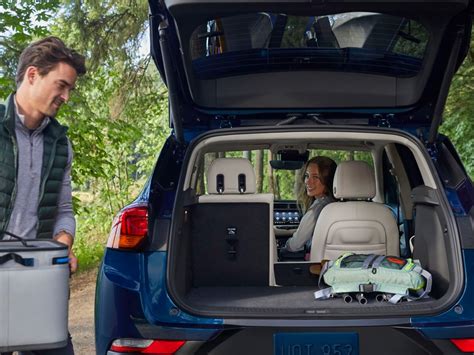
x: 81, y: 312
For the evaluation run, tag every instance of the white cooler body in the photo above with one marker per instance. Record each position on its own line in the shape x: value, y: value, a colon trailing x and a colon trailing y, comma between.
x: 34, y: 296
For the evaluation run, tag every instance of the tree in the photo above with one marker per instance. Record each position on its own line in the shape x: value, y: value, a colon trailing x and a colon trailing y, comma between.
x: 20, y: 23
x: 459, y: 113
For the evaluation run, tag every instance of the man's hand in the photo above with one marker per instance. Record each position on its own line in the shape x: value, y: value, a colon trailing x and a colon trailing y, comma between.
x: 68, y: 240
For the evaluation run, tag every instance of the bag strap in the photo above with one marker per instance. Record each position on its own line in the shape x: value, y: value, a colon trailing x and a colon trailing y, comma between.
x: 429, y: 280
x: 22, y: 240
x: 429, y: 283
x: 378, y: 261
x: 325, y: 268
x: 323, y: 294
x: 368, y: 260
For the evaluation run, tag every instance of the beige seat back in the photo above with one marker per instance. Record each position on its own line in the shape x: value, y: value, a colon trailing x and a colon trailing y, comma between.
x: 354, y: 223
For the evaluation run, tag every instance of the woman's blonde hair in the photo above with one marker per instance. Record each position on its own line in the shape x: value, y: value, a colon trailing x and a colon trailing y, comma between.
x: 327, y: 168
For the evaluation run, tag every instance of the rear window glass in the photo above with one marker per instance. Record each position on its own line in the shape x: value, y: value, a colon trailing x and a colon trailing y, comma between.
x: 284, y: 184
x: 261, y: 42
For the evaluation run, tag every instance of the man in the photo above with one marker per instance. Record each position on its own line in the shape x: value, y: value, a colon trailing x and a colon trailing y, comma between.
x: 35, y: 154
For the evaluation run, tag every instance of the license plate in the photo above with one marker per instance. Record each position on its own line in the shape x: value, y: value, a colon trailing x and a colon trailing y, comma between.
x: 316, y: 344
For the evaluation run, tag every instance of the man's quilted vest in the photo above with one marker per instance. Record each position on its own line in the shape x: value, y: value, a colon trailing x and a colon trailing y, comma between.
x: 55, y: 157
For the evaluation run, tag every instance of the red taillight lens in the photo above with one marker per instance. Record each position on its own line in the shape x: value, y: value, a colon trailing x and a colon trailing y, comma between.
x: 145, y: 346
x: 129, y: 228
x: 465, y: 345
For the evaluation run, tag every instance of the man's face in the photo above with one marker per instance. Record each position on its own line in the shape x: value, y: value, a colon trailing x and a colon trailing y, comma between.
x: 49, y: 92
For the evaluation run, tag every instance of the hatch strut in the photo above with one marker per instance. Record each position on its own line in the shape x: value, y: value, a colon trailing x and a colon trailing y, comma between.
x: 444, y: 89
x: 170, y: 80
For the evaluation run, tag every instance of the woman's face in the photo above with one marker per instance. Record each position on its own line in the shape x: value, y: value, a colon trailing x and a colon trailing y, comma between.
x: 313, y: 182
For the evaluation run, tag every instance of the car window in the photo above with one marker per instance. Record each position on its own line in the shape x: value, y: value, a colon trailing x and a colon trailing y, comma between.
x: 284, y: 184
x: 354, y: 41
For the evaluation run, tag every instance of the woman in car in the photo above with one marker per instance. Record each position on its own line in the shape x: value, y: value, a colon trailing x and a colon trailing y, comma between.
x: 314, y: 195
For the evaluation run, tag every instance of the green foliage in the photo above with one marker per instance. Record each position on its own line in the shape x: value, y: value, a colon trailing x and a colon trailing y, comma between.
x: 293, y: 36
x: 117, y: 126
x: 89, y: 250
x: 116, y: 117
x: 414, y: 40
x: 105, y: 30
x: 459, y: 112
x: 115, y: 131
x: 20, y: 23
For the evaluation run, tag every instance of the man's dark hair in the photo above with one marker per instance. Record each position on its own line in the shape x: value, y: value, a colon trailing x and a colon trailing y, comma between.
x: 45, y: 54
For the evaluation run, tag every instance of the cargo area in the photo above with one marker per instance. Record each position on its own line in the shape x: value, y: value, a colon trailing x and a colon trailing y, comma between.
x: 225, y: 259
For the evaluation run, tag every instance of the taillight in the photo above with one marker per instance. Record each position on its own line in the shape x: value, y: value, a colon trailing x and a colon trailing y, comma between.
x: 129, y: 228
x: 465, y: 345
x: 146, y: 346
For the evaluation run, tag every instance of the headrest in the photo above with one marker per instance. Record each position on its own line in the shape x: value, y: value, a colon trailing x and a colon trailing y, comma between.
x: 354, y: 180
x: 231, y: 176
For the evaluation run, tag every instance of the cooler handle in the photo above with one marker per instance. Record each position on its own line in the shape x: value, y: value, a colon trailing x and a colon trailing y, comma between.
x: 18, y: 259
x: 16, y: 237
x: 60, y: 260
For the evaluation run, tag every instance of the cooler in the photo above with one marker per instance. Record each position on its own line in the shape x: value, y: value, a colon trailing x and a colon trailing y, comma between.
x: 34, y: 292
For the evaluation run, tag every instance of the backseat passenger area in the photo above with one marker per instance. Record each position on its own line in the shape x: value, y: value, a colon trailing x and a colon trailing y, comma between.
x: 231, y: 229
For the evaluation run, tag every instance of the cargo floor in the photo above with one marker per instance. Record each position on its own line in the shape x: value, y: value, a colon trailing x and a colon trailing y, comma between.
x: 289, y: 299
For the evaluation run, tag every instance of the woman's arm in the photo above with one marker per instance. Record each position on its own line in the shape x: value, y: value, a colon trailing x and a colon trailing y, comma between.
x: 305, y: 230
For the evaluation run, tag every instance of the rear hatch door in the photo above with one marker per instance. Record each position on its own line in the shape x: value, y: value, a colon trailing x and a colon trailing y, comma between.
x: 229, y: 63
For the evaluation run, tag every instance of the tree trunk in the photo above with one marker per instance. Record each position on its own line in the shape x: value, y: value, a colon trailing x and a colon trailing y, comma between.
x: 259, y: 170
x: 201, y: 185
x: 209, y: 158
x: 247, y: 154
x: 277, y: 188
x: 271, y: 179
x: 298, y: 181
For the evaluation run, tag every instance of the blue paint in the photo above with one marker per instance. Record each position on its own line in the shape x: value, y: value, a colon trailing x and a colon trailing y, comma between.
x: 132, y: 302
x: 458, y: 321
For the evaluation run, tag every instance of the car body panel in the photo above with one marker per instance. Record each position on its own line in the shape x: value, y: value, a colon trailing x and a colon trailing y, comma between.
x: 141, y: 306
x: 457, y: 322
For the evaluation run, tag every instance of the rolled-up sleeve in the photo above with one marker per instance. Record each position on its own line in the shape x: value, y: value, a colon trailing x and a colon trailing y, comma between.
x: 65, y: 220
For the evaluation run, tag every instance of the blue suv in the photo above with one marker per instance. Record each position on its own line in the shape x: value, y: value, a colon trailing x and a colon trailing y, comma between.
x: 196, y: 264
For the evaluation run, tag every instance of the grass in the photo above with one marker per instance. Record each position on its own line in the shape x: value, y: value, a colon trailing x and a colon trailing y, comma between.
x: 88, y: 252
x: 93, y: 226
